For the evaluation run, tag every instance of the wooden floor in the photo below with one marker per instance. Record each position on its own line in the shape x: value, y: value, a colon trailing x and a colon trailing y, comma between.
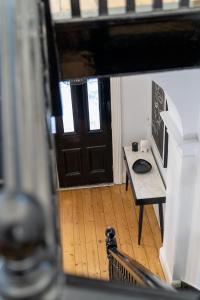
x: 84, y: 216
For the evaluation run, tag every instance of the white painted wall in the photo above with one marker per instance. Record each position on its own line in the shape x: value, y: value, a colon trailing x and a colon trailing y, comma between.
x: 192, y: 268
x: 180, y: 252
x: 136, y: 100
x: 183, y: 90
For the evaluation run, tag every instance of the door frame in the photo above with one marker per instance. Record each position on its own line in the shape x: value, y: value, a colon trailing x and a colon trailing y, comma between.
x: 116, y: 123
x: 116, y: 116
x: 115, y: 100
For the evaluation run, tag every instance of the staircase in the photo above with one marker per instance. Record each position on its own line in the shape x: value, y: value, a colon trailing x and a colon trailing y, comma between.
x: 127, y: 272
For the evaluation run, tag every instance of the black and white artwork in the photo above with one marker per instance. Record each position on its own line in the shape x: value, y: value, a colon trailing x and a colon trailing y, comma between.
x: 159, y: 131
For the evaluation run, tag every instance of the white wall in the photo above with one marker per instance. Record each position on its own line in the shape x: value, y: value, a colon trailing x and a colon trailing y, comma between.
x: 192, y: 264
x: 180, y: 251
x: 136, y: 98
x: 136, y: 101
x: 183, y: 90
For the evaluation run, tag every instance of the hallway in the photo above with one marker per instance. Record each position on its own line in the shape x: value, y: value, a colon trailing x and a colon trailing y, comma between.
x: 84, y: 216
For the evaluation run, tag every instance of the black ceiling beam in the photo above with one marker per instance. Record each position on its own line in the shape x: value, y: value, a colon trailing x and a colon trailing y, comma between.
x: 128, y: 44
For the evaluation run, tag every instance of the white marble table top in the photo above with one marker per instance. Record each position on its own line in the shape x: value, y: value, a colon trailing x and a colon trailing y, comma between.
x: 149, y: 185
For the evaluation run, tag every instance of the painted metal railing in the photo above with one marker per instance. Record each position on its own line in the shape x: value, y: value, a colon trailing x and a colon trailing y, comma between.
x: 29, y: 243
x: 79, y: 8
x: 130, y: 6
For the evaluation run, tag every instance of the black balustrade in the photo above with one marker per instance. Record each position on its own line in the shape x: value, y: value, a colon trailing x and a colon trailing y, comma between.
x: 126, y: 270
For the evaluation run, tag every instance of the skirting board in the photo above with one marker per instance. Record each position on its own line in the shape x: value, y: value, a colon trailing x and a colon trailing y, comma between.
x: 165, y: 266
x: 85, y: 187
x: 167, y: 273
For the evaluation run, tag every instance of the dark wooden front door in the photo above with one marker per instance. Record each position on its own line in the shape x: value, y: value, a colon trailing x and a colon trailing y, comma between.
x: 84, y: 136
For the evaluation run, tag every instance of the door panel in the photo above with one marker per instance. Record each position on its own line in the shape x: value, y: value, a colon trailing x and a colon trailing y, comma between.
x: 72, y: 162
x: 84, y: 156
x: 96, y: 157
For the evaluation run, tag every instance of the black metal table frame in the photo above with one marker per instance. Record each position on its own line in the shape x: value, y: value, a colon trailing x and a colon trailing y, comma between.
x: 142, y: 202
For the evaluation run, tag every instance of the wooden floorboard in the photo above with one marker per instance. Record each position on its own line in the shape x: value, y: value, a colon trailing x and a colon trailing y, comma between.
x: 84, y: 216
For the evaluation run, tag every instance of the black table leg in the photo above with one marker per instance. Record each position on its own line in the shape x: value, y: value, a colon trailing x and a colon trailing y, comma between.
x: 140, y: 223
x: 161, y: 220
x: 126, y: 181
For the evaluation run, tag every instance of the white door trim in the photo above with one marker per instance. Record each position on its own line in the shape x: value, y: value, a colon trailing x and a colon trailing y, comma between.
x: 116, y: 128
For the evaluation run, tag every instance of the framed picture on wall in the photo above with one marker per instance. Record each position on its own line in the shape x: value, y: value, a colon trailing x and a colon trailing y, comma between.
x: 159, y: 130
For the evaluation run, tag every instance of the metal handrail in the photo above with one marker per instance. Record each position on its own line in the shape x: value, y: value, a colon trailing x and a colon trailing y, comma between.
x: 125, y: 269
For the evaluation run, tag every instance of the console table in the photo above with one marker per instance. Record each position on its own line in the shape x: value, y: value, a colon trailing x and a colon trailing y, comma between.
x: 146, y: 188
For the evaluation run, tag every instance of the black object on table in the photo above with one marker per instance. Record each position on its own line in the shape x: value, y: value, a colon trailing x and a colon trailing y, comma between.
x: 141, y: 166
x: 135, y: 146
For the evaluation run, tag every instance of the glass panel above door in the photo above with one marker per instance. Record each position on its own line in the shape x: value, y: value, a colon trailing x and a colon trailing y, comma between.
x: 68, y: 118
x: 93, y: 104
